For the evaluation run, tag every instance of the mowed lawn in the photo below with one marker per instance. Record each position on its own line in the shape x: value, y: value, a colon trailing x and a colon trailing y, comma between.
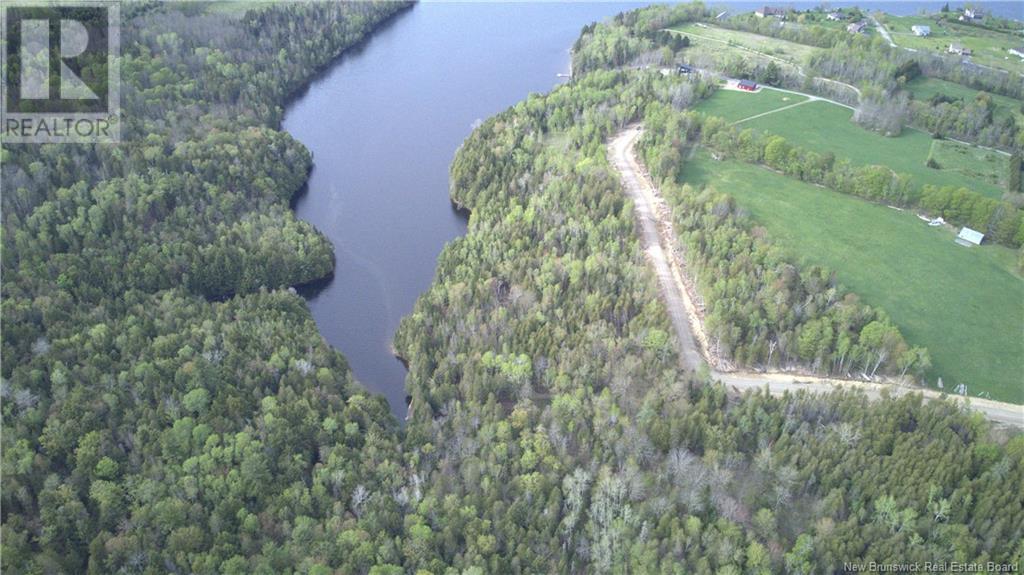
x: 924, y: 88
x: 821, y: 126
x: 734, y: 105
x: 966, y: 305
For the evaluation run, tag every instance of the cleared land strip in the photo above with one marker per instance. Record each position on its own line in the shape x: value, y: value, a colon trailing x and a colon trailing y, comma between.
x: 799, y: 69
x: 654, y: 219
x: 756, y: 116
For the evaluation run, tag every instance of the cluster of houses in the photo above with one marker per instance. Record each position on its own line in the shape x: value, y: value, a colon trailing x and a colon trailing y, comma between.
x: 971, y: 14
x: 772, y: 11
x: 853, y: 27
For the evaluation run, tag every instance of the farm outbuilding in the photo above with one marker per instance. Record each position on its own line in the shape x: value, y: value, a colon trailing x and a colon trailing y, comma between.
x: 748, y: 85
x: 969, y: 237
x: 921, y: 30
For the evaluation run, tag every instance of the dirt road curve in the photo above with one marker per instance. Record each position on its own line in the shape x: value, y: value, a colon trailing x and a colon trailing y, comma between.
x: 655, y: 228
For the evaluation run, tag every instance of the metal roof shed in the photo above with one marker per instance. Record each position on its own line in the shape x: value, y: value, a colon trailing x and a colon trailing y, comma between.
x: 967, y: 237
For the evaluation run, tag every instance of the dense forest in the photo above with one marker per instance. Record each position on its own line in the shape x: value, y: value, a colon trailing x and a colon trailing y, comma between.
x: 148, y: 427
x: 549, y: 412
x: 168, y: 405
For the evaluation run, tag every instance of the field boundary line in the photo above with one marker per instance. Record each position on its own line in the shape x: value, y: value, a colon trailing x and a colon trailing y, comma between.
x: 769, y: 112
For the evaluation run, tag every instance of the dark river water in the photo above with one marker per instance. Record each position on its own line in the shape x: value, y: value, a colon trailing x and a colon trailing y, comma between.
x: 383, y: 124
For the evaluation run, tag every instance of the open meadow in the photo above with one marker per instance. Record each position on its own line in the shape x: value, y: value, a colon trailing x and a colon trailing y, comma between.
x: 924, y: 88
x: 964, y: 304
x: 745, y: 43
x: 824, y: 127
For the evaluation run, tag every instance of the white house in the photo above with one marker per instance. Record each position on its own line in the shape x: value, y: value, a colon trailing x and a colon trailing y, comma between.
x: 968, y: 237
x: 919, y: 30
x: 959, y: 49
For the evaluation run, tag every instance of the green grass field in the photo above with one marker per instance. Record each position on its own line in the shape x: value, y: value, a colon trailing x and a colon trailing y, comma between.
x: 966, y: 305
x: 734, y: 105
x: 924, y: 88
x: 744, y: 43
x: 821, y: 126
x: 972, y: 162
x: 989, y: 46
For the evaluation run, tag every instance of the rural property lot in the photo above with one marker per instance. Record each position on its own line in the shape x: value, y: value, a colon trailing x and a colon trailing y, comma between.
x: 744, y: 42
x: 924, y: 88
x: 989, y: 46
x: 824, y: 127
x: 734, y: 105
x: 964, y: 304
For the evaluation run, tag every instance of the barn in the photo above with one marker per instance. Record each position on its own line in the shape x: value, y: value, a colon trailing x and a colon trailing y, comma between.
x: 747, y: 85
x: 969, y: 237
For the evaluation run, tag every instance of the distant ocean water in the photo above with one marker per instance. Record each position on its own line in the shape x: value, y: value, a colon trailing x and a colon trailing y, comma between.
x: 1003, y: 8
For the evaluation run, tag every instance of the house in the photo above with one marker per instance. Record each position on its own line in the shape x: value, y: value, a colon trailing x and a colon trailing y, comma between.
x: 835, y: 16
x: 770, y: 11
x: 1017, y: 51
x: 747, y: 85
x: 969, y: 237
x: 921, y: 30
x: 857, y: 27
x: 955, y: 48
x: 684, y: 69
x: 971, y: 14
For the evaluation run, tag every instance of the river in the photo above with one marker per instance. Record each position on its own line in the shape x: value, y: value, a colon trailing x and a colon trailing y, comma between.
x: 383, y: 124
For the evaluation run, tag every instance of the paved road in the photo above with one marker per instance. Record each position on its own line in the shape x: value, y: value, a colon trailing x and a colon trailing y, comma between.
x: 655, y: 227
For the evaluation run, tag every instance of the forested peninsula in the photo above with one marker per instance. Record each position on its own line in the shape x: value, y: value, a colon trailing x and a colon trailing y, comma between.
x: 170, y: 407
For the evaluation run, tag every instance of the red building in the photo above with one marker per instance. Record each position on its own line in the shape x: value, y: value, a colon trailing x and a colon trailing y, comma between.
x: 747, y: 85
